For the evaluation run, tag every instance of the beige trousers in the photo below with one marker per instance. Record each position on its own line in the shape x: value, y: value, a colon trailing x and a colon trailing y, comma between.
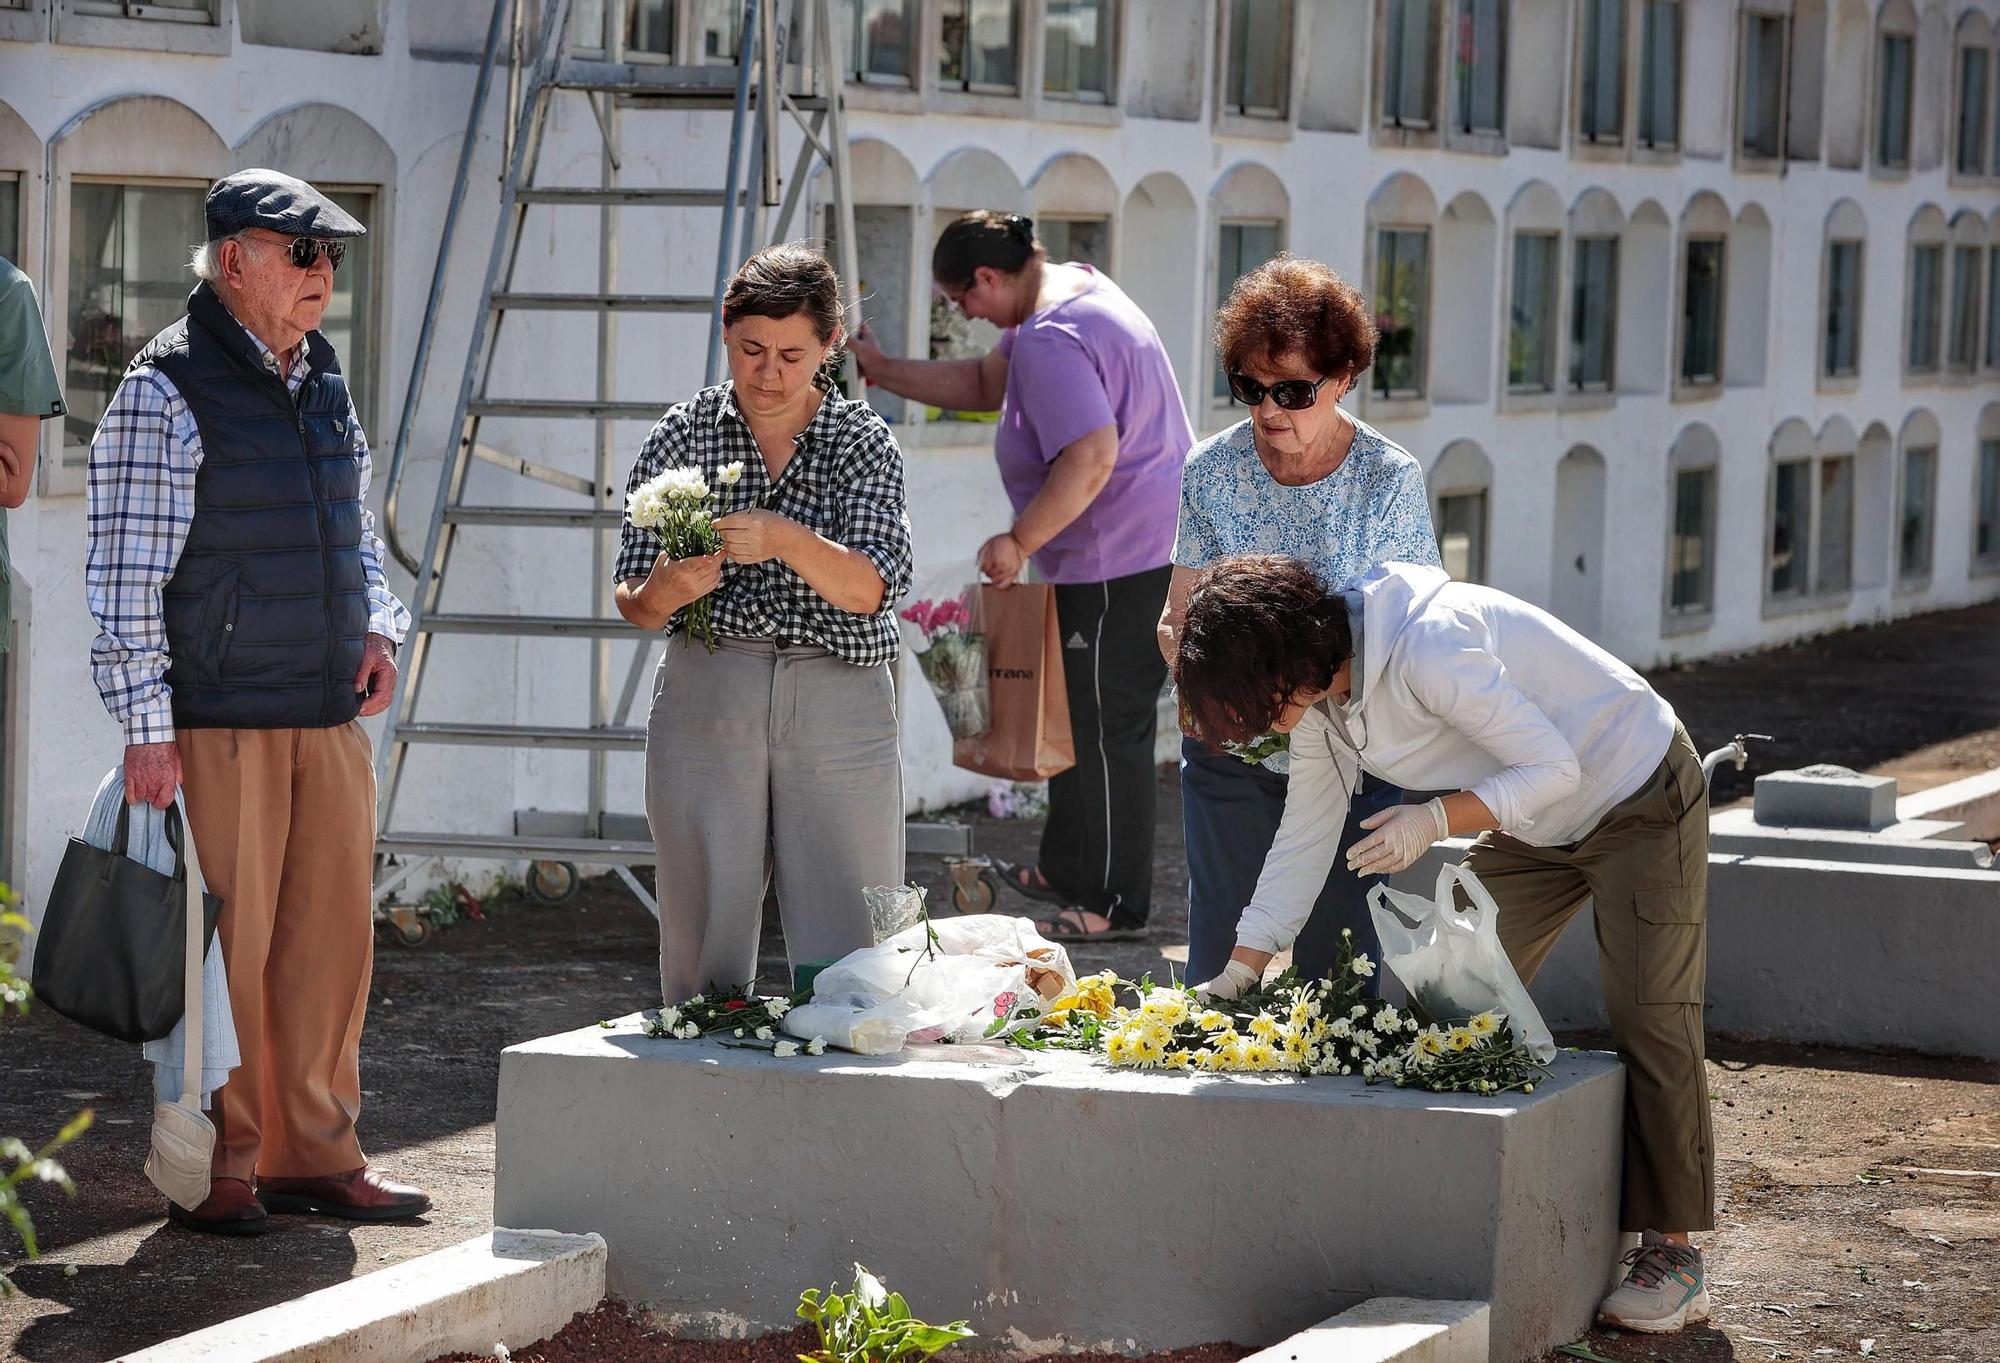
x: 284, y: 821
x: 1645, y: 868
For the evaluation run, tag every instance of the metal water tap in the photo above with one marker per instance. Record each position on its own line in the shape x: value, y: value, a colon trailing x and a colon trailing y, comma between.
x: 1732, y: 751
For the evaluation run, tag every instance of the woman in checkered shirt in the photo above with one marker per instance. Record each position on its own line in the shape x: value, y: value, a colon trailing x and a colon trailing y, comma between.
x: 782, y: 741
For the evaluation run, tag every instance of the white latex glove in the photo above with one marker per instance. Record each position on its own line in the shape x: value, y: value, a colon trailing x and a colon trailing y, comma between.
x: 1401, y: 834
x: 1235, y: 978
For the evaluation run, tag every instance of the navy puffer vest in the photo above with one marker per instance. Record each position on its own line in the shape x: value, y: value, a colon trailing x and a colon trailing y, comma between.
x: 267, y: 610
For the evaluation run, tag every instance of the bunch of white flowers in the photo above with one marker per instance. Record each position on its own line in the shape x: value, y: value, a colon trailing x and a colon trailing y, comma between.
x: 675, y: 507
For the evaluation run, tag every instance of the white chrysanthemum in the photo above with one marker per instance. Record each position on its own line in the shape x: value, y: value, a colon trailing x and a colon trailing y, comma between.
x: 670, y: 1018
x: 730, y: 474
x: 683, y: 484
x: 763, y: 1033
x: 1363, y: 966
x: 777, y: 1008
x: 785, y: 1050
x: 817, y: 1046
x: 688, y: 1031
x: 1388, y: 1020
x: 1358, y: 1011
x: 1342, y: 1029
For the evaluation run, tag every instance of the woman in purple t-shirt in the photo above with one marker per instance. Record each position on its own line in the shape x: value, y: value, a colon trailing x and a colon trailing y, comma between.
x: 1091, y: 440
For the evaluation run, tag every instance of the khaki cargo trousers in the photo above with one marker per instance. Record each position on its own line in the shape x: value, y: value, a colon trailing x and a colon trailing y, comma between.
x: 1645, y: 868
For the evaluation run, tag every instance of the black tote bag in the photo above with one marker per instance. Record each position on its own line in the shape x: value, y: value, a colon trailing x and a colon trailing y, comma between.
x: 111, y: 949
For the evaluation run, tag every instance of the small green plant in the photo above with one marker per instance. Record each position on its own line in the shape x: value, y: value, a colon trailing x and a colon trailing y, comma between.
x: 871, y: 1325
x: 27, y: 1165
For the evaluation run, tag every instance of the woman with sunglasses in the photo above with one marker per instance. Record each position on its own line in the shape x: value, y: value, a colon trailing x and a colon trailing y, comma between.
x: 1091, y: 439
x: 1302, y: 478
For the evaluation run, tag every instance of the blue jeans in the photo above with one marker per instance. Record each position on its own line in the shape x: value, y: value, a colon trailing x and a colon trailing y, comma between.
x: 1229, y: 812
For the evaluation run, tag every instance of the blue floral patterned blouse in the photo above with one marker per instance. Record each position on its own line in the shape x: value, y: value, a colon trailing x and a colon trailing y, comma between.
x: 1370, y: 510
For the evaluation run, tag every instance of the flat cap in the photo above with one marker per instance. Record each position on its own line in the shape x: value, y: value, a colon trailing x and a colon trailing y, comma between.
x: 276, y: 202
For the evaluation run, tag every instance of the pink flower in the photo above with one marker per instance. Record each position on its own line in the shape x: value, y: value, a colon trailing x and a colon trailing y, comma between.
x: 1003, y: 1004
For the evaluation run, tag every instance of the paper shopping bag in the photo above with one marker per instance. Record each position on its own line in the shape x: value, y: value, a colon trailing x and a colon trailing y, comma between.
x: 1029, y: 739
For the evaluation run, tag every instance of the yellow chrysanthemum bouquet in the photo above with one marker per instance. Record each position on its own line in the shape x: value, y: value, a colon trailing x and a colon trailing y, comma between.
x: 1329, y: 1026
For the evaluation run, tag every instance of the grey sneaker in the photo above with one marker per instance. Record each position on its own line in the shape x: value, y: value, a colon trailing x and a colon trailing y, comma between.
x: 1664, y: 1289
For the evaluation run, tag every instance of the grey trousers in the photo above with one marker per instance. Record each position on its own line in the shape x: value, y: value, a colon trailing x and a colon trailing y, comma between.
x: 762, y: 760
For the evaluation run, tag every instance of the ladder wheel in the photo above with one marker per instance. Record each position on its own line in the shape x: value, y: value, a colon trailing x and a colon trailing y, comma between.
x: 551, y: 882
x: 413, y: 931
x: 978, y: 897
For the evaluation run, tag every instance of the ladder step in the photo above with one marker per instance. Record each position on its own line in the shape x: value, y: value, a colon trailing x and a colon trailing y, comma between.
x: 603, y: 302
x: 533, y: 516
x: 700, y: 87
x: 548, y: 626
x: 621, y: 196
x: 566, y: 407
x: 604, y: 851
x: 525, y: 736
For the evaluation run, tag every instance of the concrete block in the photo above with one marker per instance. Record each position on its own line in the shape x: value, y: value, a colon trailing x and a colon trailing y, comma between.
x: 1818, y: 952
x: 1390, y: 1330
x: 505, y: 1287
x: 1825, y: 797
x: 1056, y: 1202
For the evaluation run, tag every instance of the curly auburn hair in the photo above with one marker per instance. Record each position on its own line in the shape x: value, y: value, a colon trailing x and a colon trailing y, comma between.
x: 1259, y: 629
x: 1291, y: 306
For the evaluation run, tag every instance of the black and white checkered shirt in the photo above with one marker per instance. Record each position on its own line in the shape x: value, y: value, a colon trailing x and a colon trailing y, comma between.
x: 845, y: 482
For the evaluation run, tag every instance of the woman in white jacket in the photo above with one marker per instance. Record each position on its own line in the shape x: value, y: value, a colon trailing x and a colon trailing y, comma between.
x: 1575, y: 774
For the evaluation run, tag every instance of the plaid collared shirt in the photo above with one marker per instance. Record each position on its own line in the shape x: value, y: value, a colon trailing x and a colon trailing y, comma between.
x: 845, y: 481
x: 143, y: 462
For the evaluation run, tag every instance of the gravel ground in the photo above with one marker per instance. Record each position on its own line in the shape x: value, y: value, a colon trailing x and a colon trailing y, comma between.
x: 1826, y: 1238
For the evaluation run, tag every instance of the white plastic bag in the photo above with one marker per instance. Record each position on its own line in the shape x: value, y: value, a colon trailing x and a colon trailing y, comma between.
x: 1452, y: 963
x: 945, y: 981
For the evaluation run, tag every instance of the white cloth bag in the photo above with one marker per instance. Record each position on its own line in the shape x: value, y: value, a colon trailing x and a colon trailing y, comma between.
x: 1452, y: 963
x: 907, y: 989
x: 183, y: 1148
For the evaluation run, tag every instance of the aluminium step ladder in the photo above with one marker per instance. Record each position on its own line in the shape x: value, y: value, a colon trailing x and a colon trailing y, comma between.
x: 756, y: 91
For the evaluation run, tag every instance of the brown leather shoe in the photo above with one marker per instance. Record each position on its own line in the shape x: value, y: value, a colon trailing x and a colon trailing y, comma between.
x: 357, y: 1195
x: 229, y: 1209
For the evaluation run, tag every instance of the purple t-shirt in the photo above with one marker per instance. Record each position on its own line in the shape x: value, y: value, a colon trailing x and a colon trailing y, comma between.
x: 1092, y: 361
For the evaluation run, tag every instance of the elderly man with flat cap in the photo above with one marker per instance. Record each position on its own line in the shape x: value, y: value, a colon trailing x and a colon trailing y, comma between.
x: 245, y: 627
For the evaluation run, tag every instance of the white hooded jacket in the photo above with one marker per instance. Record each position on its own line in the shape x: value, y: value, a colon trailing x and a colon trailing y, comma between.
x: 1458, y: 687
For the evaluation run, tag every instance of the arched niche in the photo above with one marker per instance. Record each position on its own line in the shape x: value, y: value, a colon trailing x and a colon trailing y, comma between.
x: 1850, y: 51
x: 1576, y: 564
x: 970, y: 178
x: 1463, y: 308
x: 1694, y: 528
x: 1874, y: 506
x: 1532, y: 296
x: 1645, y: 300
x: 1919, y: 446
x: 1805, y: 81
x: 21, y: 194
x: 1930, y: 118
x: 1400, y: 257
x: 1076, y: 204
x: 1249, y: 214
x: 1836, y: 494
x: 338, y: 152
x: 891, y: 275
x: 1159, y: 233
x: 136, y: 168
x: 1921, y: 336
x: 1748, y: 286
x: 1590, y: 308
x: 1461, y: 488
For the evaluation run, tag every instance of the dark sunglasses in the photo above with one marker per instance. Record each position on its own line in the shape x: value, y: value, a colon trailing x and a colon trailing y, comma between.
x: 305, y: 250
x: 1294, y: 395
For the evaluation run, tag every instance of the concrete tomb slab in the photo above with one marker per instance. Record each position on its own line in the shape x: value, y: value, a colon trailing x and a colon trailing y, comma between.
x: 1825, y: 797
x: 1052, y: 1200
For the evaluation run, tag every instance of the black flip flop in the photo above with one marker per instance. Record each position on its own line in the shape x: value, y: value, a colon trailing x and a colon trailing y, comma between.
x: 1020, y: 878
x: 1060, y: 929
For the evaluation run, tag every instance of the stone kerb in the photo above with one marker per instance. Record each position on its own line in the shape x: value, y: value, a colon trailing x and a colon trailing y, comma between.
x: 1051, y: 1200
